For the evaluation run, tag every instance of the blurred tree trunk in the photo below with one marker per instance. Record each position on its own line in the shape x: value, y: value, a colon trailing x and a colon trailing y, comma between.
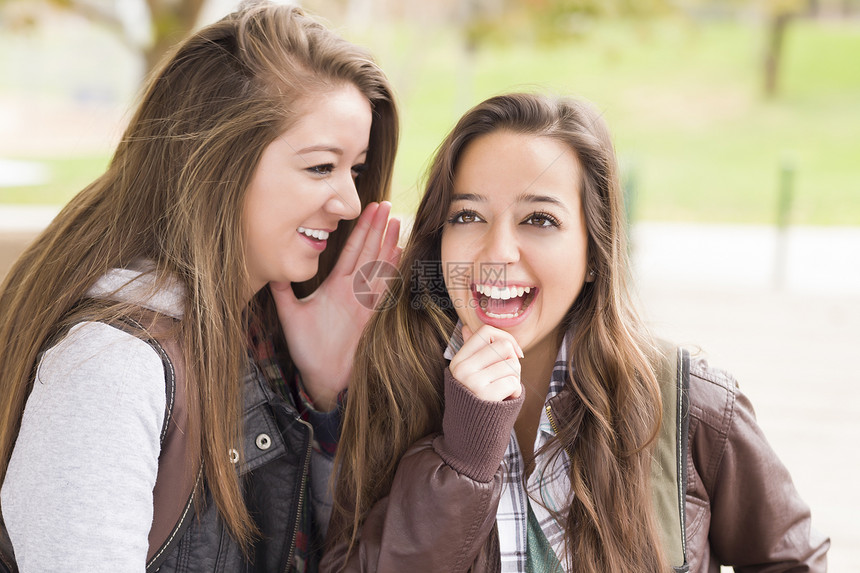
x: 172, y: 20
x: 468, y: 11
x: 777, y: 25
x: 779, y: 14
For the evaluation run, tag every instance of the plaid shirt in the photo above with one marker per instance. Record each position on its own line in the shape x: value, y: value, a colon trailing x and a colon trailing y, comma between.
x: 548, y: 485
x: 325, y: 424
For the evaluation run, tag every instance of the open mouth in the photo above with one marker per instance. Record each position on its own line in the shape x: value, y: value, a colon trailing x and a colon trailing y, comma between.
x: 505, y: 301
x: 314, y: 234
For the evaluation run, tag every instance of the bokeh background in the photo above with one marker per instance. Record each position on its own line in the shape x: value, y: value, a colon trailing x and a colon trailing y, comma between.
x: 737, y: 125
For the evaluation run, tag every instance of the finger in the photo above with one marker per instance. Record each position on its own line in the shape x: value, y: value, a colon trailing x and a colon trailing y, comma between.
x: 472, y: 343
x: 395, y: 256
x: 375, y: 237
x: 459, y: 356
x: 389, y: 256
x: 498, y: 351
x: 517, y: 391
x: 488, y: 335
x: 348, y: 258
x: 494, y: 383
x: 477, y: 380
x: 504, y: 389
x: 485, y: 358
x: 392, y: 238
x: 497, y: 334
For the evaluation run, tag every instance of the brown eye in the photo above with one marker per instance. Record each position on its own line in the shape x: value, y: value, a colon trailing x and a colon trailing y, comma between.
x: 323, y: 169
x: 463, y: 217
x: 543, y: 220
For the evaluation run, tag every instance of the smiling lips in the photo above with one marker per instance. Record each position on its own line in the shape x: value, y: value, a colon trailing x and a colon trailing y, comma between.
x: 318, y: 234
x: 315, y: 238
x: 504, y: 302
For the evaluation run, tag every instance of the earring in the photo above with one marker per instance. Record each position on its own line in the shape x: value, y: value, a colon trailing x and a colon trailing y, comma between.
x: 591, y: 273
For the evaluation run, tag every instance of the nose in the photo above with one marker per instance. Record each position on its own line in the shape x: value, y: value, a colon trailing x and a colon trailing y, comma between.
x: 344, y: 201
x: 501, y: 246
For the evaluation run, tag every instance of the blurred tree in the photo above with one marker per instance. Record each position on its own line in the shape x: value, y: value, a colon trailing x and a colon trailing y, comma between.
x: 169, y: 20
x: 541, y: 21
x: 551, y: 21
x: 778, y: 15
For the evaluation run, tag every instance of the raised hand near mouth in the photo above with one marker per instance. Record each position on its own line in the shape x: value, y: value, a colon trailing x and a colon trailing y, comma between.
x: 322, y: 330
x: 488, y: 364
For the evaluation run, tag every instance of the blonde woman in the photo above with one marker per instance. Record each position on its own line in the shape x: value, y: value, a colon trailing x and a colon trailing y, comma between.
x: 173, y: 346
x: 507, y: 408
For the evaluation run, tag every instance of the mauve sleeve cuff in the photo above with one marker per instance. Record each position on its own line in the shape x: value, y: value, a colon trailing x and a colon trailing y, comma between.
x: 475, y: 432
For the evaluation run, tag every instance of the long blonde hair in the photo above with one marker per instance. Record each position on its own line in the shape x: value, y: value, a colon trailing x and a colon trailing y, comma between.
x: 396, y: 395
x: 173, y: 194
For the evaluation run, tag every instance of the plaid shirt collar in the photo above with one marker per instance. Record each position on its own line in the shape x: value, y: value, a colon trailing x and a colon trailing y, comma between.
x: 548, y: 485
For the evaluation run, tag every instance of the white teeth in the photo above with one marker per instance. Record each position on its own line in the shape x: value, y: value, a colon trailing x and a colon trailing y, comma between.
x: 318, y: 234
x: 494, y: 315
x: 503, y: 293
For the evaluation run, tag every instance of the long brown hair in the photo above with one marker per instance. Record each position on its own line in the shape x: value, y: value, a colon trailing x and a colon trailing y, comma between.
x: 173, y: 194
x: 396, y: 395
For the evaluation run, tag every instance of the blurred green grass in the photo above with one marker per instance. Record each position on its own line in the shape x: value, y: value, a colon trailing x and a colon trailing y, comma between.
x: 682, y: 98
x: 67, y: 176
x: 684, y: 103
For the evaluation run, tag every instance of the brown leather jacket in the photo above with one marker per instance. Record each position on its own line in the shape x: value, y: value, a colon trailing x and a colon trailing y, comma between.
x: 742, y: 508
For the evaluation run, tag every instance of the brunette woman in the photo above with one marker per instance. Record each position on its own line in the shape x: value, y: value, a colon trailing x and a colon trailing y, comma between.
x: 506, y: 406
x: 173, y: 345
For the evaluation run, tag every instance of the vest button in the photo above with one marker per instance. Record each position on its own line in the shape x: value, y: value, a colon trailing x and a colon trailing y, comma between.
x: 234, y: 455
x: 264, y: 442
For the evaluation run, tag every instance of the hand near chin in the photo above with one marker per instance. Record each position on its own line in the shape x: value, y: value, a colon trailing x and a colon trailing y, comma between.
x: 323, y: 329
x: 488, y: 364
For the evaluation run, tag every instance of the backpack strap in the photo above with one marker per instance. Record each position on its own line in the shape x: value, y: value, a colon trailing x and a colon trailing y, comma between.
x: 7, y: 554
x: 179, y: 469
x: 669, y: 468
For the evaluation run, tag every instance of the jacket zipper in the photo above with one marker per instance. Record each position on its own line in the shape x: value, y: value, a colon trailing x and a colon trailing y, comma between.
x: 681, y: 455
x: 553, y: 425
x: 305, y: 470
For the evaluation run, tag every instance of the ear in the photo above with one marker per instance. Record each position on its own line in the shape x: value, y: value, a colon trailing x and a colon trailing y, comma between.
x: 590, y: 276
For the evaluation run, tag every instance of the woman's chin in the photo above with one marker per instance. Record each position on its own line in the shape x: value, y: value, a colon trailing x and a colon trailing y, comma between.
x: 300, y: 275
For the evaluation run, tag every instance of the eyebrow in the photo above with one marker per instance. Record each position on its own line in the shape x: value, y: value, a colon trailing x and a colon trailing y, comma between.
x: 325, y: 147
x: 532, y: 198
x: 522, y: 198
x: 468, y: 197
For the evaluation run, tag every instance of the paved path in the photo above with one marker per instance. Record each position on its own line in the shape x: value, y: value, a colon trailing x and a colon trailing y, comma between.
x: 792, y: 342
